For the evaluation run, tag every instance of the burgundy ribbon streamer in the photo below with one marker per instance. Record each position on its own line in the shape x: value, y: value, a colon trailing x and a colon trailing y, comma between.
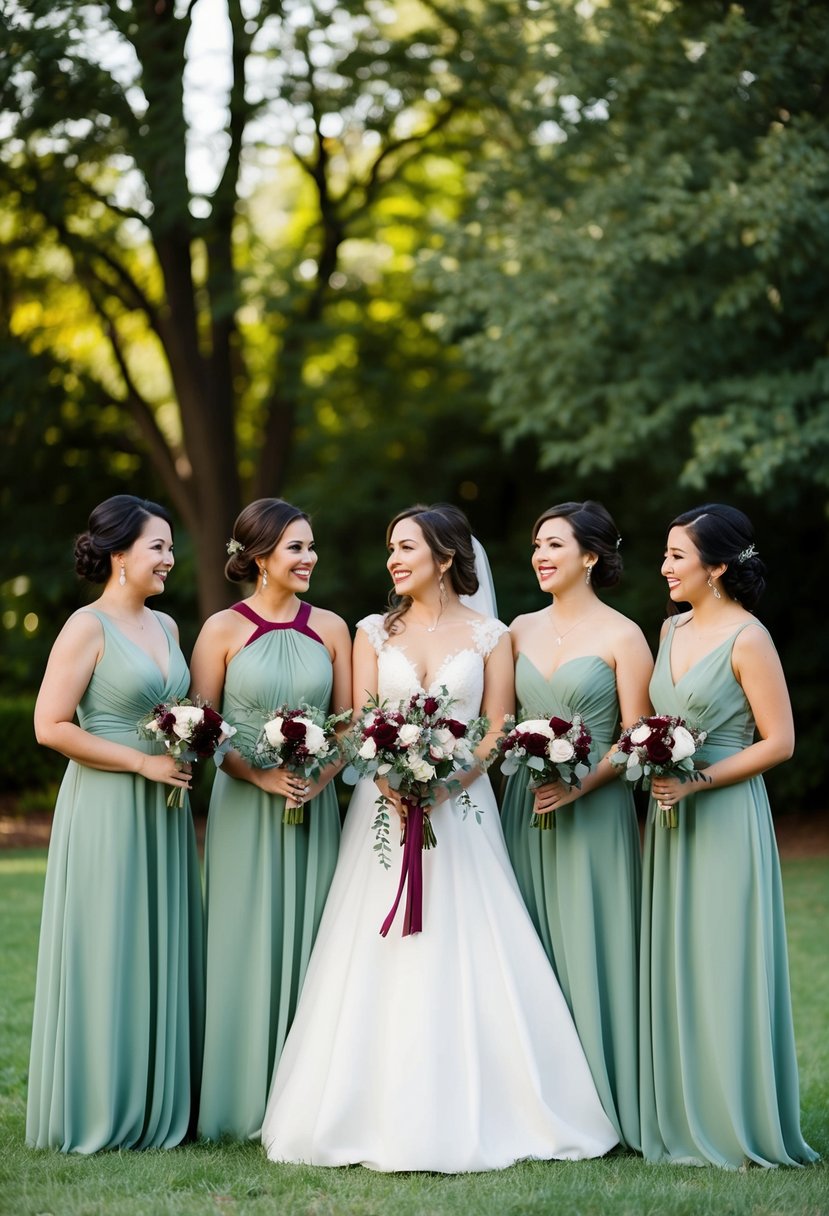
x: 411, y: 869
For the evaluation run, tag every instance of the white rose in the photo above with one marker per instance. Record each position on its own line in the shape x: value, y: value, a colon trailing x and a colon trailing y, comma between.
x: 683, y: 744
x: 369, y: 750
x: 408, y: 734
x: 153, y: 725
x: 273, y: 732
x: 187, y: 718
x: 536, y: 726
x: 314, y: 737
x: 561, y: 750
x: 641, y: 734
x: 444, y: 738
x: 421, y: 769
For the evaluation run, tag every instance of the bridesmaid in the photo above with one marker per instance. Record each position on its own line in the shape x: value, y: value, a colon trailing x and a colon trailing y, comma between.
x: 266, y: 881
x: 581, y: 882
x: 719, y: 1073
x: 116, y: 1043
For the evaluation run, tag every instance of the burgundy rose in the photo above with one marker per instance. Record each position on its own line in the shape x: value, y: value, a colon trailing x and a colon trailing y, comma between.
x: 167, y: 723
x: 559, y: 726
x: 431, y: 705
x: 294, y: 730
x: 383, y: 733
x: 535, y: 744
x: 458, y: 729
x: 657, y: 751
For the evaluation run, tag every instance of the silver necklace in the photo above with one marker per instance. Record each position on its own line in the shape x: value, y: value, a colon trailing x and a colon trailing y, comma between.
x: 561, y: 636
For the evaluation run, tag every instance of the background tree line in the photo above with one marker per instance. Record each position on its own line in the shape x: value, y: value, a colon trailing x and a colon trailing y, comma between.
x: 505, y: 253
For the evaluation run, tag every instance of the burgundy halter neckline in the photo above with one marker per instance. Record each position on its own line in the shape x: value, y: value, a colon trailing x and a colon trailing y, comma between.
x: 299, y: 623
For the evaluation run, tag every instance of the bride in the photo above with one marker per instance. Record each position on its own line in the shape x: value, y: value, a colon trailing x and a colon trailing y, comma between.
x: 450, y: 1050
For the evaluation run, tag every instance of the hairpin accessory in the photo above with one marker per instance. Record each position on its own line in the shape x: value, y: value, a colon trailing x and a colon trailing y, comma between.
x: 234, y: 546
x: 747, y: 553
x: 618, y: 541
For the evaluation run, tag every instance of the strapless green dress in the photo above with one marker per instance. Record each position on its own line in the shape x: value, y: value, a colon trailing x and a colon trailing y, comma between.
x: 719, y: 1075
x: 116, y: 1042
x: 266, y: 884
x: 581, y: 884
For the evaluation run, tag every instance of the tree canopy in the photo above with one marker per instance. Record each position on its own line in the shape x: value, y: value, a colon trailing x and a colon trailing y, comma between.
x: 640, y: 274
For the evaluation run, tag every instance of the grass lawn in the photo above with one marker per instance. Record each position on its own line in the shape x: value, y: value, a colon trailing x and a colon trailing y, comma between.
x: 202, y: 1180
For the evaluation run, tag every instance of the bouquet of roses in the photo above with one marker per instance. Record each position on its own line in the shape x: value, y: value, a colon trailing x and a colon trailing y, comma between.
x: 302, y: 740
x: 418, y: 748
x: 550, y: 749
x: 660, y: 746
x: 190, y: 732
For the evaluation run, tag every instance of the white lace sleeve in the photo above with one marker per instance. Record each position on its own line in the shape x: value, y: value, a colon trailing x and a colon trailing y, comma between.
x: 487, y: 634
x: 372, y: 626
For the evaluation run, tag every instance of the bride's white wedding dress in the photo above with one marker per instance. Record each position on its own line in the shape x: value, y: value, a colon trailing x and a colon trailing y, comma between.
x: 450, y: 1050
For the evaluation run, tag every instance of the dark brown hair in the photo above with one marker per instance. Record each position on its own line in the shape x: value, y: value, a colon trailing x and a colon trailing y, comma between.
x: 447, y: 532
x: 724, y: 535
x: 595, y: 531
x: 258, y: 529
x: 114, y: 525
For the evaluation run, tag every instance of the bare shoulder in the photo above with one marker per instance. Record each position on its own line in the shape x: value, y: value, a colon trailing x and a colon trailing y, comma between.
x: 753, y: 642
x: 224, y: 624
x: 168, y: 621
x: 625, y: 636
x: 81, y: 628
x: 526, y: 622
x: 678, y: 620
x: 329, y: 625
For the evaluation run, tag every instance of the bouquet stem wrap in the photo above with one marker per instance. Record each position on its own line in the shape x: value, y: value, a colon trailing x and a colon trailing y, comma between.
x: 411, y: 873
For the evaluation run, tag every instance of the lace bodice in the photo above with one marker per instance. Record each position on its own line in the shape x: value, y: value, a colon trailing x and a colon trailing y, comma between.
x: 461, y: 673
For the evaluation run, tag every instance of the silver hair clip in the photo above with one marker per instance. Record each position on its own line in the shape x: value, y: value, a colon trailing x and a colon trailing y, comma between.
x: 234, y: 546
x: 618, y: 541
x: 746, y: 554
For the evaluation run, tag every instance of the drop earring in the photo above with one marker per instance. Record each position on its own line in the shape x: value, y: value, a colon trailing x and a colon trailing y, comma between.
x: 588, y: 574
x: 264, y: 577
x: 714, y: 588
x: 442, y: 587
x: 122, y: 577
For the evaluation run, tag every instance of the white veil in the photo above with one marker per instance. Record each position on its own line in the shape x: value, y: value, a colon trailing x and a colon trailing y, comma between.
x: 483, y: 600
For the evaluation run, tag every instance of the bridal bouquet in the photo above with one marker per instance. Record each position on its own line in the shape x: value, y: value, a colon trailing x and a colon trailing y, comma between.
x: 190, y: 732
x: 549, y: 749
x: 418, y: 748
x: 302, y: 740
x: 660, y: 746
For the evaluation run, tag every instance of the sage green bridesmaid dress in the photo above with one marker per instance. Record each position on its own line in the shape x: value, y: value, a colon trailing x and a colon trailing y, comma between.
x: 581, y: 883
x: 116, y: 1041
x: 719, y: 1073
x: 266, y: 884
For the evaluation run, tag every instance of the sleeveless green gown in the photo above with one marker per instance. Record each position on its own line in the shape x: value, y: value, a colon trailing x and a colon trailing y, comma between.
x: 266, y: 885
x: 116, y: 1041
x: 719, y: 1074
x: 581, y: 884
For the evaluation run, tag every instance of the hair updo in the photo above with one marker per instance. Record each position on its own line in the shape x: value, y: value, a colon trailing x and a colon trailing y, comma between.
x: 595, y: 532
x: 724, y: 535
x: 114, y: 525
x: 257, y: 532
x: 447, y: 532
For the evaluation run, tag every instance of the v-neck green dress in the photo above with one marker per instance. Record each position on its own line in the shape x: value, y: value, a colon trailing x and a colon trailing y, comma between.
x: 581, y: 883
x: 266, y: 884
x: 116, y: 1042
x: 719, y: 1075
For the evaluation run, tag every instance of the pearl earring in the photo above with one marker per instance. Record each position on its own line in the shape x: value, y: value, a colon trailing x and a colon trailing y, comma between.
x: 122, y: 577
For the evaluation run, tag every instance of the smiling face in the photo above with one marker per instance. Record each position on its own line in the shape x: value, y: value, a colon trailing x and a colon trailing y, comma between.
x: 683, y: 568
x: 411, y: 562
x: 291, y: 561
x: 558, y: 559
x: 149, y: 558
